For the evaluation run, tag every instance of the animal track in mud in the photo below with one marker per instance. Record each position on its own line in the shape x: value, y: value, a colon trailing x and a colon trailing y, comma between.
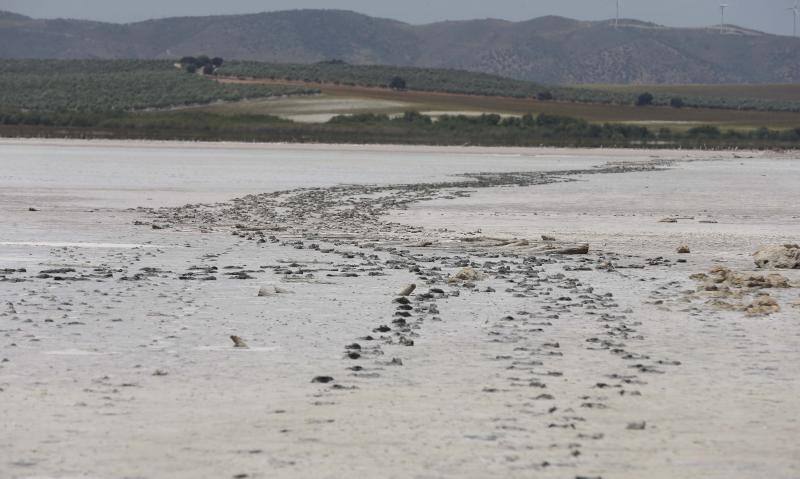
x: 347, y: 222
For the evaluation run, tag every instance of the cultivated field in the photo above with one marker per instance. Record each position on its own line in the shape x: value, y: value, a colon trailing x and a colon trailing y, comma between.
x: 297, y: 103
x: 778, y: 92
x: 383, y: 100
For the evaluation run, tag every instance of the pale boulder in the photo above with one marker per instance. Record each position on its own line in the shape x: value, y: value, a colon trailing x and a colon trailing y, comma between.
x: 778, y: 257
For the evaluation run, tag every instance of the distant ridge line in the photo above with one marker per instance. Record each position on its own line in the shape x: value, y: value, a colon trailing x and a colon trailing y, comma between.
x: 549, y: 49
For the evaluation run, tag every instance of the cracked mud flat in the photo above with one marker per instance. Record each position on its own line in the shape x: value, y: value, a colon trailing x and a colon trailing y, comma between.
x: 508, y: 359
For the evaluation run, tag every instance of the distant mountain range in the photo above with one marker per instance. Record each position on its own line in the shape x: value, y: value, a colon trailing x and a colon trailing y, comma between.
x: 547, y: 49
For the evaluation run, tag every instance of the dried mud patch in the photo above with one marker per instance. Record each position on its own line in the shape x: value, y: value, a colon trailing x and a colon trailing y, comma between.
x: 747, y: 292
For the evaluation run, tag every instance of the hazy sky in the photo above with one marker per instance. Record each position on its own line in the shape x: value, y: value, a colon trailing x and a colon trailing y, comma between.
x: 767, y: 15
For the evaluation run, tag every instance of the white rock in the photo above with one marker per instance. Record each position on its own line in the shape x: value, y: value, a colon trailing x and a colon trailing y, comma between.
x: 407, y: 290
x: 778, y: 257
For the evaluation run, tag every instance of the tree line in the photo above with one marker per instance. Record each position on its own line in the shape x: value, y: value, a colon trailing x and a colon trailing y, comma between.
x: 409, y: 128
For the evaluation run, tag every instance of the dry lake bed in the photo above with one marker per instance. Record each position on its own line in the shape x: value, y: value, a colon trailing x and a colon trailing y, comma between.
x: 553, y: 329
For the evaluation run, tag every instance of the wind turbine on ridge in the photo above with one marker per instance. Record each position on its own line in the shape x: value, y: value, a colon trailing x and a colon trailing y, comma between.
x: 722, y: 7
x: 795, y: 10
x: 616, y: 21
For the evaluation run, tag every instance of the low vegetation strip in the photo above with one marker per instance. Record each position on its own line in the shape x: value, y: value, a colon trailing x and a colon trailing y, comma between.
x: 410, y: 128
x: 560, y: 129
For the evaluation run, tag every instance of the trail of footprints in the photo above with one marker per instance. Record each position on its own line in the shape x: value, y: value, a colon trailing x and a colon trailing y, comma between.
x: 346, y: 222
x: 531, y: 356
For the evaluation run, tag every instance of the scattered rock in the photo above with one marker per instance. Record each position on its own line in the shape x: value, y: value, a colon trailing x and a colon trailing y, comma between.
x: 548, y: 238
x: 58, y: 271
x: 778, y: 257
x: 684, y: 250
x: 322, y: 379
x: 271, y: 290
x: 32, y: 209
x: 238, y: 342
x: 637, y: 426
x: 239, y: 275
x: 668, y: 220
x: 465, y: 275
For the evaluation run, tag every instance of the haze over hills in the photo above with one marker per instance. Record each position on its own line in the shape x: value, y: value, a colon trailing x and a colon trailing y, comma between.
x: 546, y: 49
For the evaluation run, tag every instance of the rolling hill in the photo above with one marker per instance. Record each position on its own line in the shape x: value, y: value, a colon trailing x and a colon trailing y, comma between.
x: 548, y: 49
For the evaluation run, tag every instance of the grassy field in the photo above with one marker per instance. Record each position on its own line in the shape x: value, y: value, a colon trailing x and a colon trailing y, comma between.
x: 385, y: 101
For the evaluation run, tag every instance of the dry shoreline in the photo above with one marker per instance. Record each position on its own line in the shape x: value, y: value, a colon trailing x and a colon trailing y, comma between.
x: 380, y: 148
x: 554, y: 365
